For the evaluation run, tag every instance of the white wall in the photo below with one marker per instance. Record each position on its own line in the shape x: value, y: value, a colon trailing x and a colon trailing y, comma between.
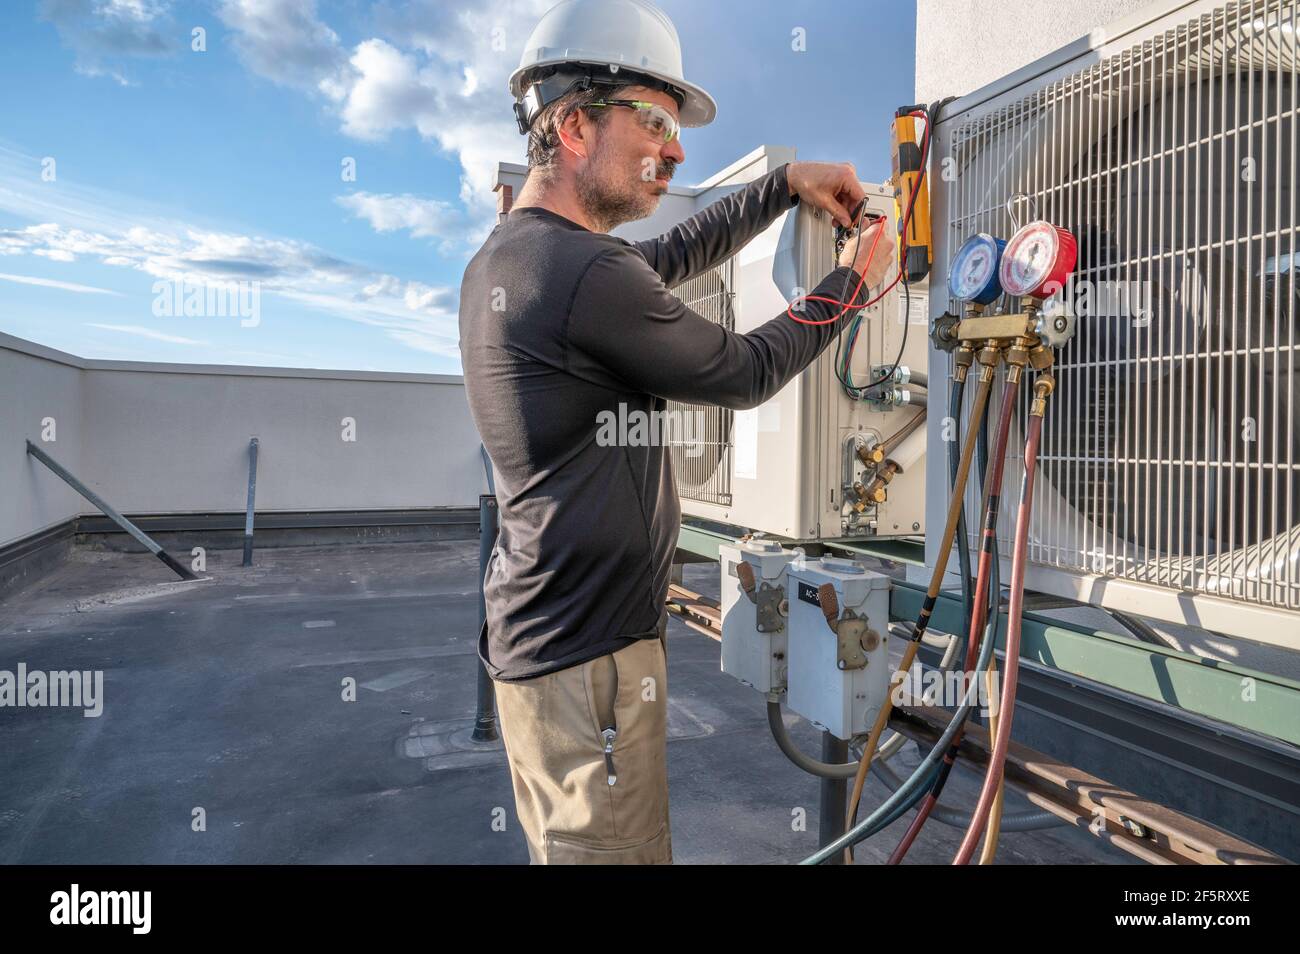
x: 36, y: 384
x: 163, y: 438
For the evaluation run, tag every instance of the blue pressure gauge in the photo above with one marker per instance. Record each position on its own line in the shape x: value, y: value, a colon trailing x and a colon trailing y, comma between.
x: 973, y: 275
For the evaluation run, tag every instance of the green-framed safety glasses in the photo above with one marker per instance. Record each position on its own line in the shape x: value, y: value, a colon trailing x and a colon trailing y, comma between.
x: 654, y: 118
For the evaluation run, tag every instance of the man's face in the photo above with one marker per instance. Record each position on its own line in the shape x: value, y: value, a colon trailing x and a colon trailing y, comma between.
x: 628, y: 167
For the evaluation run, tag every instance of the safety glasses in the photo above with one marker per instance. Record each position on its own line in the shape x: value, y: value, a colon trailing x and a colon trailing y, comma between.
x: 656, y: 120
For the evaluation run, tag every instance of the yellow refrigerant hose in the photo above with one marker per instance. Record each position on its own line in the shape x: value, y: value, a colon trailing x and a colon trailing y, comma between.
x: 995, y: 815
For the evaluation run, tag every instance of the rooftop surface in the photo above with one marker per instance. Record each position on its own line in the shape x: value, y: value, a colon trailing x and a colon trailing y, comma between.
x: 226, y: 695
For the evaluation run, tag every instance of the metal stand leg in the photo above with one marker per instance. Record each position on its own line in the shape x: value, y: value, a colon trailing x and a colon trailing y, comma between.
x: 136, y: 533
x: 252, y: 490
x: 834, y: 796
x: 485, y: 719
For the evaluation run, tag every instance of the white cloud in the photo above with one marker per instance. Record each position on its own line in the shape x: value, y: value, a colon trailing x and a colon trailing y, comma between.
x: 291, y: 269
x: 55, y: 283
x: 57, y: 254
x: 101, y: 31
x: 142, y: 332
x: 439, y: 68
x: 284, y: 41
x: 421, y: 217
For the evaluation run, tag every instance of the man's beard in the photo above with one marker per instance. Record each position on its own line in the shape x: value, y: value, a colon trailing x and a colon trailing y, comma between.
x: 606, y: 203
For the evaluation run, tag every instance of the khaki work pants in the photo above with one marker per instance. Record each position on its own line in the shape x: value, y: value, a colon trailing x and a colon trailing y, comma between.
x: 557, y: 729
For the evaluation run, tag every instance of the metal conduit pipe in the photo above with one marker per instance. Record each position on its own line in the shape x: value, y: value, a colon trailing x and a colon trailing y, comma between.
x: 812, y: 766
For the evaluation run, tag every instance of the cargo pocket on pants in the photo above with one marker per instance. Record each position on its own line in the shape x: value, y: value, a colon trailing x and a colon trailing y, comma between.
x: 565, y: 849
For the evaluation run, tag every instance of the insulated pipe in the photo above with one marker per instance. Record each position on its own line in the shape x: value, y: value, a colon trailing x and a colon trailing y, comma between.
x: 1002, y: 742
x: 988, y: 357
x: 910, y: 450
x: 992, y: 496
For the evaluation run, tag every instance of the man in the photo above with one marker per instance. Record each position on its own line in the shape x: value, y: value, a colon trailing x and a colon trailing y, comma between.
x: 562, y: 323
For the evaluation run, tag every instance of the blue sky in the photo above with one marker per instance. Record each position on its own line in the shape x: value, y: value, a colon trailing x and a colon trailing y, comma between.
x: 128, y: 158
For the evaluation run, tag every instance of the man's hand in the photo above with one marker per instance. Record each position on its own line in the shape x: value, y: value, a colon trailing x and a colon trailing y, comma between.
x: 832, y: 186
x: 858, y: 247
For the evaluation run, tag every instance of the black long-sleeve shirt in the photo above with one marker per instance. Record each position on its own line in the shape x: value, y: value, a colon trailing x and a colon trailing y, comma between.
x: 559, y: 324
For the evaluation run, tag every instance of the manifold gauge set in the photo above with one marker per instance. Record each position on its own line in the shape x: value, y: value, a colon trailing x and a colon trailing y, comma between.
x: 1034, y: 263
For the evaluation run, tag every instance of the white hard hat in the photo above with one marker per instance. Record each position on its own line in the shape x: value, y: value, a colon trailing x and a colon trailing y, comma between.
x: 622, y: 41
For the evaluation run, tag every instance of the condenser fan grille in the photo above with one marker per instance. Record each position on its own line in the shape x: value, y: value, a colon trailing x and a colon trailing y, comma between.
x: 701, y: 441
x: 1171, y: 453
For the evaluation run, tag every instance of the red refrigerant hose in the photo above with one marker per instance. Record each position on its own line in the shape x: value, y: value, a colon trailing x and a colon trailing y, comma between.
x: 997, y: 758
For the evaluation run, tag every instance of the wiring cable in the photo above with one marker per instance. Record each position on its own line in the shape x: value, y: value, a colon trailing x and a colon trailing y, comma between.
x: 852, y: 304
x: 842, y: 371
x: 1043, y: 387
x: 841, y: 368
x: 929, y: 114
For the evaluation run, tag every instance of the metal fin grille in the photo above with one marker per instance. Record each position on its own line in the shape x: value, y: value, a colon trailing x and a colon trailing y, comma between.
x: 1170, y: 451
x: 702, y: 448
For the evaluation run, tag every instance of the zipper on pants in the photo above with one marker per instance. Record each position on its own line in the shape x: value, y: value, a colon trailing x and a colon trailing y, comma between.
x: 608, y: 735
x: 606, y: 703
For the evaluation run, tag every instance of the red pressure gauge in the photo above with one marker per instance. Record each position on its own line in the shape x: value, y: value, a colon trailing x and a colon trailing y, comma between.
x: 1038, y: 259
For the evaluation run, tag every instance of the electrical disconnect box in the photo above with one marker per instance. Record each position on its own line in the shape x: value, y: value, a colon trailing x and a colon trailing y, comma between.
x: 838, y: 643
x: 754, y: 610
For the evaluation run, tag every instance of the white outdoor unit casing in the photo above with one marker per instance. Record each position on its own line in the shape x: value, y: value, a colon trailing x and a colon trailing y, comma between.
x: 844, y: 702
x: 754, y: 632
x: 1169, y: 472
